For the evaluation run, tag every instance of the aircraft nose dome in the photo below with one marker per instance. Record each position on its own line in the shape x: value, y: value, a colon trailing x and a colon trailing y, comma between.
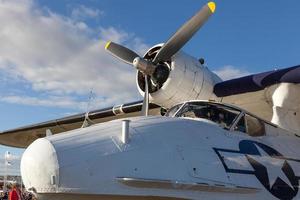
x: 39, y: 166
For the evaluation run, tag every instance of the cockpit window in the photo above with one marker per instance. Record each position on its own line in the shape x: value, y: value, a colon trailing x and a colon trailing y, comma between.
x: 173, y: 110
x: 250, y: 125
x: 222, y: 115
x: 226, y: 117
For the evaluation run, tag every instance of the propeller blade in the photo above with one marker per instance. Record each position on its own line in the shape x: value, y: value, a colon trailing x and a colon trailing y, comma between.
x: 185, y: 33
x: 145, y: 108
x: 121, y: 52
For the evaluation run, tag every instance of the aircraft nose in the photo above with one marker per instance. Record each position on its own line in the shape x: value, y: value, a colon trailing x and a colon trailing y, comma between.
x: 39, y: 166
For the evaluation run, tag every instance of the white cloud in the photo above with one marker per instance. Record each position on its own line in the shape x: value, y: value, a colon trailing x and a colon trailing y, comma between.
x: 82, y: 12
x: 229, y: 72
x: 52, y: 101
x: 112, y: 34
x: 61, y: 56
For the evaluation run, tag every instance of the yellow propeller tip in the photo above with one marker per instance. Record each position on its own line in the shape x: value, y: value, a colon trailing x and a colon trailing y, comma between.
x: 107, y: 44
x: 212, y: 6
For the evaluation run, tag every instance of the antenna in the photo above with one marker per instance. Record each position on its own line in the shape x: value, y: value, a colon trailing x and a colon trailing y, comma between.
x: 87, y: 121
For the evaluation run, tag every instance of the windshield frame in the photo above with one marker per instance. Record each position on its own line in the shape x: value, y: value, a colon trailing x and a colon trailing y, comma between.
x: 242, y: 111
x: 216, y: 107
x: 175, y: 113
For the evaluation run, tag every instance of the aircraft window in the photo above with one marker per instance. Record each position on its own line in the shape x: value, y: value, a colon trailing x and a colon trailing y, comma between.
x: 240, y: 126
x: 222, y: 115
x: 173, y: 110
x: 250, y: 125
x: 254, y: 126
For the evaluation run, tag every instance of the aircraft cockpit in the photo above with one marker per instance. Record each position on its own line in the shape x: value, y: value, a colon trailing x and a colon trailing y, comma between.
x: 227, y: 117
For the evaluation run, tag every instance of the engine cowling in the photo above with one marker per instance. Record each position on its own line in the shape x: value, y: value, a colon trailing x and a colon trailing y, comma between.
x: 180, y: 79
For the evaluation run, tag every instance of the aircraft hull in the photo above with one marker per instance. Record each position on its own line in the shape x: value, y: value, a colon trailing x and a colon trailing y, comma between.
x: 164, y: 157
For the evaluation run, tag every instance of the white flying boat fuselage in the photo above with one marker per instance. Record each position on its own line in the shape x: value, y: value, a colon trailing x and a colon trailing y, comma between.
x: 181, y: 157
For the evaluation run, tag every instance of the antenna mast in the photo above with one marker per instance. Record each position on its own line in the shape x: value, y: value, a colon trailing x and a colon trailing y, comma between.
x: 87, y: 121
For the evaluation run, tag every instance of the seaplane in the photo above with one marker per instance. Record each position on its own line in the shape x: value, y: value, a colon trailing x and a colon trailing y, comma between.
x: 193, y: 136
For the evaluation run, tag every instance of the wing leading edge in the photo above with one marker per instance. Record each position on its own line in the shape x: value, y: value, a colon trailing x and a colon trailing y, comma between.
x: 273, y: 96
x: 24, y: 136
x: 256, y: 82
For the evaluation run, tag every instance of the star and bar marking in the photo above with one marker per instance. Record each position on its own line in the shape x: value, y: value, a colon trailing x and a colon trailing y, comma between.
x: 273, y: 170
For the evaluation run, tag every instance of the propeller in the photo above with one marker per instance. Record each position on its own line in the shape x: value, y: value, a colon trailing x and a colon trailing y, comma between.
x: 153, y: 68
x: 145, y: 107
x: 121, y: 52
x: 185, y: 33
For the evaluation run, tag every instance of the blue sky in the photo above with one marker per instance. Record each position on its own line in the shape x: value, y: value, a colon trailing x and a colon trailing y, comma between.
x: 52, y: 53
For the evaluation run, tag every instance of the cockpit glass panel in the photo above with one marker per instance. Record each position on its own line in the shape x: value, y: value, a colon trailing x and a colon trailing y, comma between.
x: 250, y: 125
x: 173, y: 110
x: 240, y: 126
x: 225, y: 116
x: 220, y: 114
x: 254, y: 126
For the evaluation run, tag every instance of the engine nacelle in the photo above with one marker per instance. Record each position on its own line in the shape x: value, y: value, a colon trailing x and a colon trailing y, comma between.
x: 187, y: 79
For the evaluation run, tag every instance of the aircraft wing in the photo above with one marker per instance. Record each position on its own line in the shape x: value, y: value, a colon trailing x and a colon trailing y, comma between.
x: 253, y: 93
x: 257, y: 93
x: 24, y: 136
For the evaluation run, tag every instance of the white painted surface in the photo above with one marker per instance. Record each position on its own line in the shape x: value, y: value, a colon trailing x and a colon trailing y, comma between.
x: 286, y: 106
x: 188, y: 80
x: 88, y: 161
x: 38, y: 166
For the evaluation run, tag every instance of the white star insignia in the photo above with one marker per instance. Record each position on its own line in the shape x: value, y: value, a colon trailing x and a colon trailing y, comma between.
x: 273, y: 166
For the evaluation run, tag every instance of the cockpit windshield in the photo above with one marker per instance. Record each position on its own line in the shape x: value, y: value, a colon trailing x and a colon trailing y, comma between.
x: 173, y: 110
x: 225, y: 116
x: 220, y: 114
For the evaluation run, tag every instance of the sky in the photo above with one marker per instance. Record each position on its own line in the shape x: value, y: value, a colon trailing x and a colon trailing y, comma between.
x: 52, y: 52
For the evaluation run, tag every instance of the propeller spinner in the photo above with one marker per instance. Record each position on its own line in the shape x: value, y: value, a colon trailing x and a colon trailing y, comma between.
x: 153, y: 68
